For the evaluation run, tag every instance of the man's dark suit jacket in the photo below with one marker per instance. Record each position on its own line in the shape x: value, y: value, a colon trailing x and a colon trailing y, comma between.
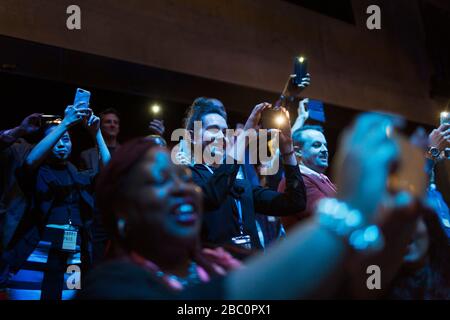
x: 220, y: 222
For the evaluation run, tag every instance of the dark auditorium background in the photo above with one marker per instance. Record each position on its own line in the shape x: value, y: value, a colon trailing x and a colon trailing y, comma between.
x: 131, y: 54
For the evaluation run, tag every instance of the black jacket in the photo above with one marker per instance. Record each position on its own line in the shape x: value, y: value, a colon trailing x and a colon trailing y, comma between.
x: 220, y: 222
x: 40, y: 186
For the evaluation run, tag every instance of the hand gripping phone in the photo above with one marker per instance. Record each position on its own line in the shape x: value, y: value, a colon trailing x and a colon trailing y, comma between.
x: 82, y: 95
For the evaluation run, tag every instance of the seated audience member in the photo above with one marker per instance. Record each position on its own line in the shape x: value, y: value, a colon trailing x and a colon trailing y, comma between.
x: 230, y: 200
x: 13, y: 203
x: 154, y: 211
x: 58, y: 224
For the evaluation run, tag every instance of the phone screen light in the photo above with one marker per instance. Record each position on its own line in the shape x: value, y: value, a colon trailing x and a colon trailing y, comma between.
x: 155, y: 109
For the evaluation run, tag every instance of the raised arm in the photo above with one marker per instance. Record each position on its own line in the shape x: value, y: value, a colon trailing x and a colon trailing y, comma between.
x: 29, y: 125
x: 93, y: 127
x: 293, y: 199
x: 40, y: 152
x: 439, y: 139
x: 325, y: 242
x: 217, y: 186
x: 157, y: 127
x: 302, y: 115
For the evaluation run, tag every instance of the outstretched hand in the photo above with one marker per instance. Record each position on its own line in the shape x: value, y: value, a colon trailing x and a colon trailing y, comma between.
x: 365, y: 157
x: 31, y: 124
x: 440, y: 137
x: 74, y: 115
x: 255, y: 117
x: 293, y: 89
x: 157, y: 127
x: 93, y: 125
x: 285, y: 134
x: 302, y: 109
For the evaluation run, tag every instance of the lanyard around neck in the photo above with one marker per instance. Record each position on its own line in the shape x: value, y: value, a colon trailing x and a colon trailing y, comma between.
x: 238, y: 204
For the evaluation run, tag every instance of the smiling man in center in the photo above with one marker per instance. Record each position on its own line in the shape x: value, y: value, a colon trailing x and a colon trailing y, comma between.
x: 230, y: 201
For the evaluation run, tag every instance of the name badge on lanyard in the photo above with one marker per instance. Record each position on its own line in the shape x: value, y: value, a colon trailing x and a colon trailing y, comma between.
x: 70, y: 239
x: 243, y: 240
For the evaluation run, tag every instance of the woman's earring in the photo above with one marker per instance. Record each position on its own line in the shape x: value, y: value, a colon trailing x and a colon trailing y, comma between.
x: 121, y: 225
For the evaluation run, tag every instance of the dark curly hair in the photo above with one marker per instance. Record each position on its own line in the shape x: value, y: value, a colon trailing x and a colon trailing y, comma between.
x: 201, y: 107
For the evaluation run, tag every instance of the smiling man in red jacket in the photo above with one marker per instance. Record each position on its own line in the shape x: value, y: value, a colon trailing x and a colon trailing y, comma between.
x: 312, y: 153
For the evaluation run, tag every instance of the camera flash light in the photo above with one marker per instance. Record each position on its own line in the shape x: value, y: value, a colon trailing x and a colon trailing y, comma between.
x: 445, y: 117
x: 279, y: 120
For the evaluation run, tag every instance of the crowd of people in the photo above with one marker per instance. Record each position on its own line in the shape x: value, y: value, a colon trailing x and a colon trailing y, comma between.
x: 139, y: 225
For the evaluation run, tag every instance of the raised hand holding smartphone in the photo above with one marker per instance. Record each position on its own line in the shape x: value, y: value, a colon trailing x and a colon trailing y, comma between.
x: 82, y: 98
